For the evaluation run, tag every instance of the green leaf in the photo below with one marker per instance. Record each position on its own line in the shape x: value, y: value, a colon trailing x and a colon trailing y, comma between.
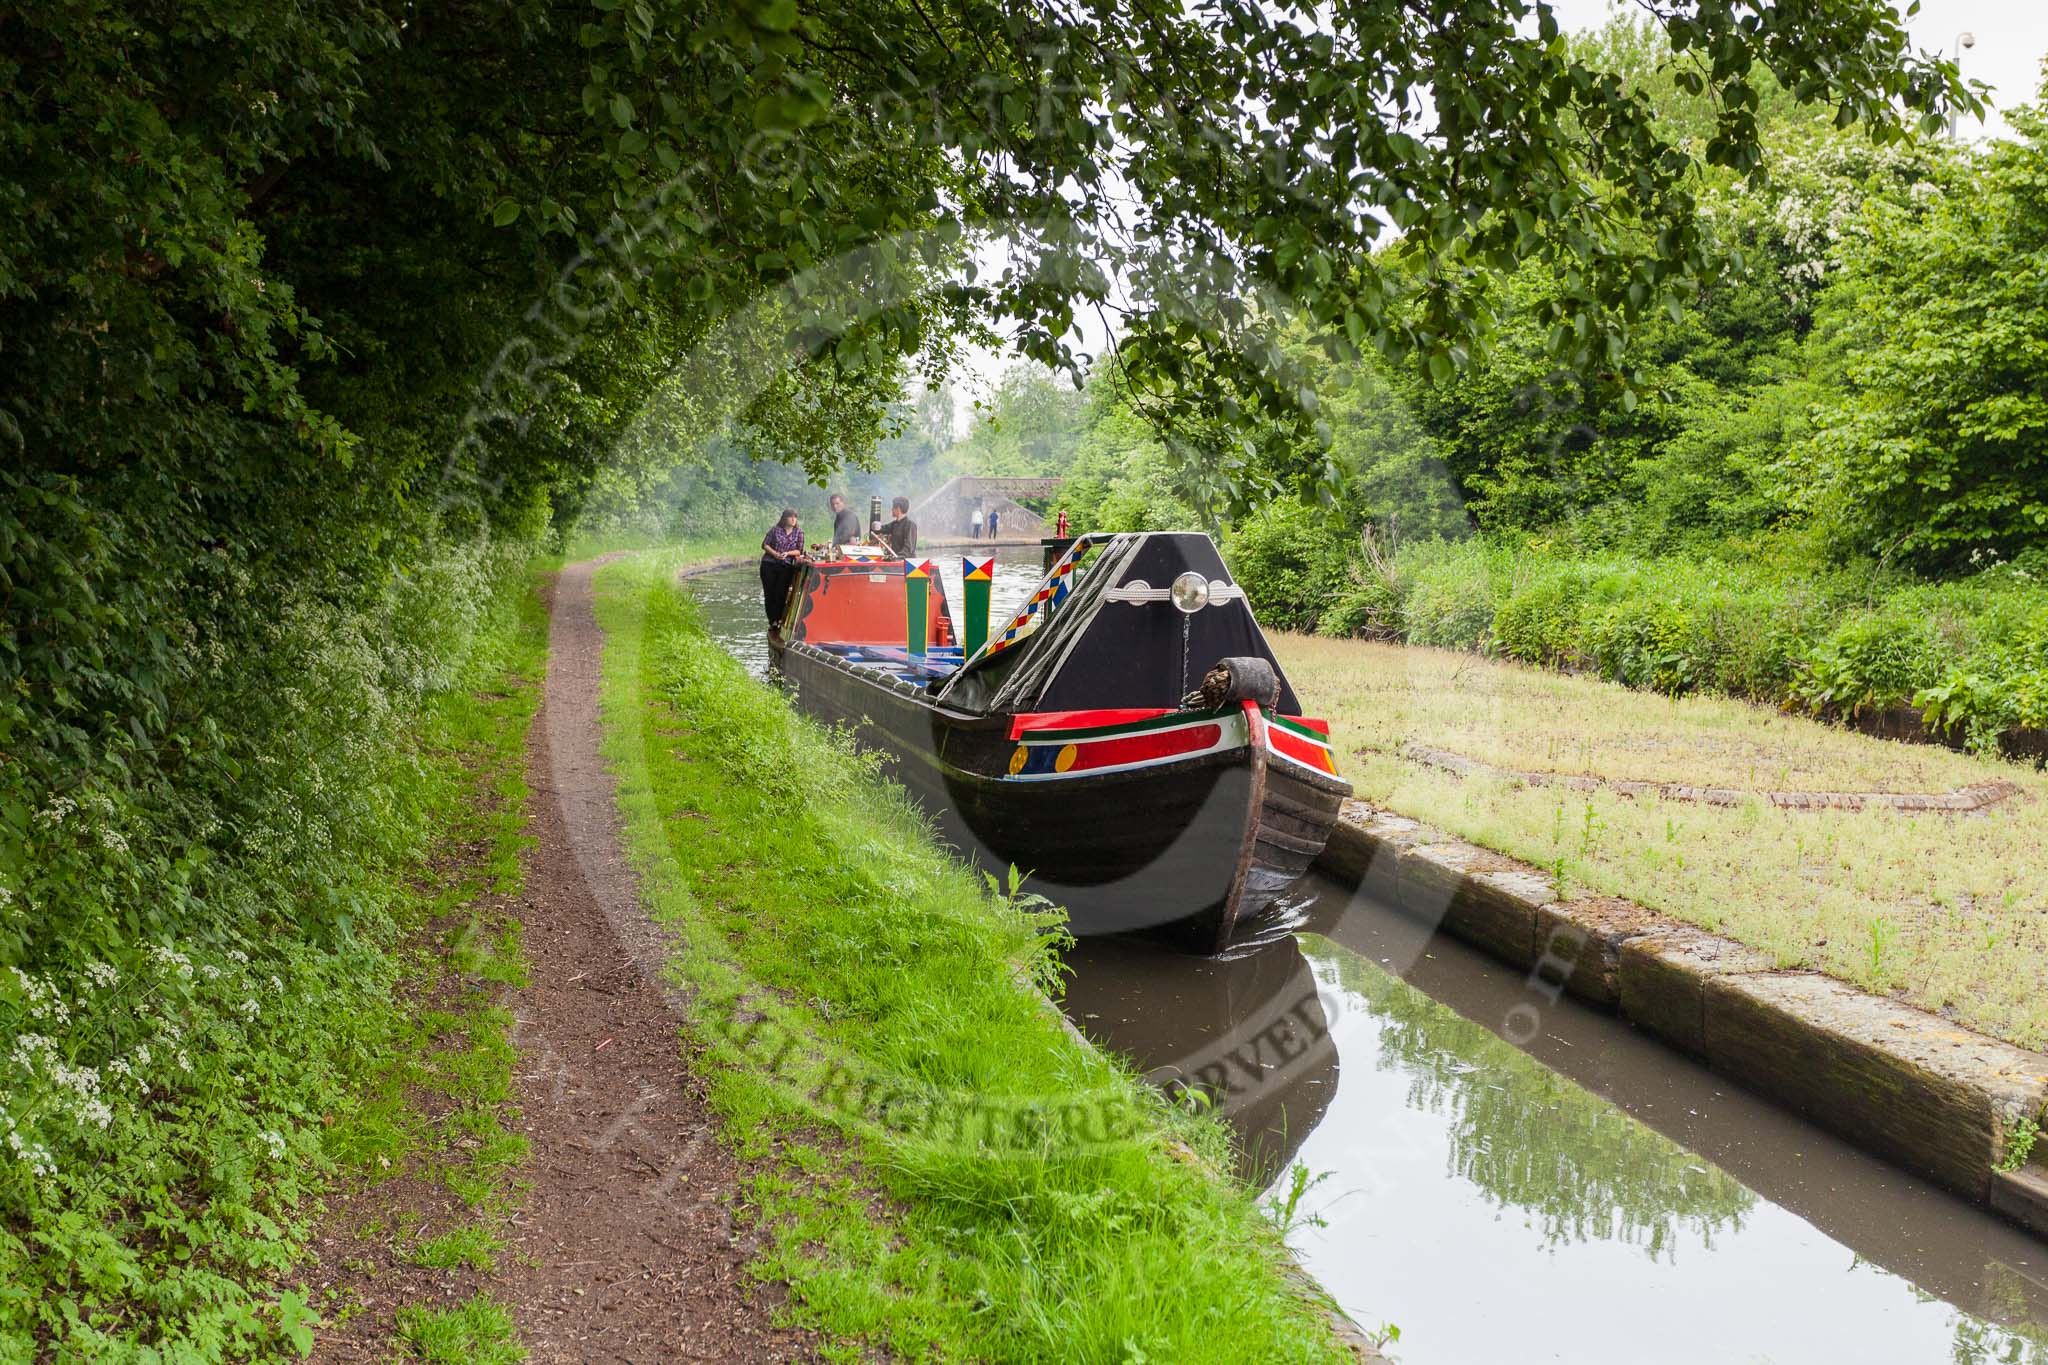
x: 505, y: 213
x: 296, y: 1319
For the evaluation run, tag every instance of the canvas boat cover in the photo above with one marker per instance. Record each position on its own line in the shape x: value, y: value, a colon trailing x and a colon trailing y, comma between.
x: 1092, y: 651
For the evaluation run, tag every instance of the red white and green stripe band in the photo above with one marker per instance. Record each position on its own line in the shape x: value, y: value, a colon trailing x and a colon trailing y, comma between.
x: 1051, y: 754
x: 1066, y: 744
x: 1302, y: 741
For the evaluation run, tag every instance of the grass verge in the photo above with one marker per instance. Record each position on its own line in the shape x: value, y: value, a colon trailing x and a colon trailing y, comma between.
x: 1947, y: 912
x: 436, y: 1112
x: 939, y: 1169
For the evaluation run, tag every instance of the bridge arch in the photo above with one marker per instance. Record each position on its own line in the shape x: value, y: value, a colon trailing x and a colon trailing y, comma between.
x: 947, y: 512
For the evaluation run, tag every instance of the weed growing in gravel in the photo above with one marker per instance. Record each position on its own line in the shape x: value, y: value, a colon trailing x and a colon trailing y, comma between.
x: 1880, y: 943
x: 472, y: 1245
x: 478, y: 1332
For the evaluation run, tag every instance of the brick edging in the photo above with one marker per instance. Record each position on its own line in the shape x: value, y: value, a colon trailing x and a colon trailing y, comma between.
x: 1960, y: 801
x: 1912, y: 1087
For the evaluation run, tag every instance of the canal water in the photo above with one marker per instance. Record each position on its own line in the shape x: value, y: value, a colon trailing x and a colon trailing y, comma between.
x: 1506, y: 1177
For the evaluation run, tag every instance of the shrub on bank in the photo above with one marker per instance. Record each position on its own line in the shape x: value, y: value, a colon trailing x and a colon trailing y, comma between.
x: 1369, y: 607
x: 1971, y: 653
x: 1875, y: 659
x: 1291, y: 562
x: 1999, y: 685
x: 1451, y: 590
x: 194, y: 960
x: 1674, y: 625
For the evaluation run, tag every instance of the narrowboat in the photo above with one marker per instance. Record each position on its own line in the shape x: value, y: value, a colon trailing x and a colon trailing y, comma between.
x: 1128, y: 740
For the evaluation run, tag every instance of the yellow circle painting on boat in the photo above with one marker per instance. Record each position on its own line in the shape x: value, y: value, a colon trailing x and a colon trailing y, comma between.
x: 1017, y: 760
x: 1065, y: 759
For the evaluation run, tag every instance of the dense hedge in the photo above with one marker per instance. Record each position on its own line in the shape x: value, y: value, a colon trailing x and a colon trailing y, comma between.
x: 198, y: 961
x: 1972, y: 653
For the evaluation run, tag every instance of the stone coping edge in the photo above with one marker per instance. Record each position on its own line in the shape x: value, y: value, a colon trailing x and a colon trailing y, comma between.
x: 1931, y: 1096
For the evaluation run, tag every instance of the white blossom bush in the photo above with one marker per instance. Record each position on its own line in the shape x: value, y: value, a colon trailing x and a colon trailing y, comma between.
x: 194, y: 956
x: 1816, y: 204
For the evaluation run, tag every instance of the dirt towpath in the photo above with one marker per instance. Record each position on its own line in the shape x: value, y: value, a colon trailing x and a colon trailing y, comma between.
x: 623, y: 1248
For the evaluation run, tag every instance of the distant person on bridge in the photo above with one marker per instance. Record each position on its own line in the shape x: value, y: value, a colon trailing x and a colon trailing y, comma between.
x: 845, y: 522
x: 974, y: 524
x: 781, y: 550
x: 1060, y: 529
x: 995, y: 524
x: 900, y: 535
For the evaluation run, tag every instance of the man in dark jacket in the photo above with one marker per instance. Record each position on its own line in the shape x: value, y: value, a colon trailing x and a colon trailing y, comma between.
x: 900, y: 535
x: 845, y: 522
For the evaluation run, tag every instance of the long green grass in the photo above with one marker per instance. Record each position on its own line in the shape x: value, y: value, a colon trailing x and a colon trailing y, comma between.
x: 1948, y: 912
x: 435, y: 1096
x: 863, y: 1006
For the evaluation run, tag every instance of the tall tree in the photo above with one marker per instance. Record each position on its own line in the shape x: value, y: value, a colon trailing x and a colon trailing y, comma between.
x: 288, y: 287
x: 1940, y: 447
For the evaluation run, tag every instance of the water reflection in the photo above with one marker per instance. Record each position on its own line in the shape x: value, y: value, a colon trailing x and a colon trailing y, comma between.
x: 1497, y: 1209
x: 731, y: 599
x: 1981, y: 1343
x: 1248, y: 1032
x: 1526, y: 1138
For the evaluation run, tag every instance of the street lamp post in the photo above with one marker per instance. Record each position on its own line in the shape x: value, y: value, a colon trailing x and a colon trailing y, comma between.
x: 1964, y: 42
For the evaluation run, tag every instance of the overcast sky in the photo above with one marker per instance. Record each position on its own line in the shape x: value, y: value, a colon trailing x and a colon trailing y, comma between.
x: 2012, y: 37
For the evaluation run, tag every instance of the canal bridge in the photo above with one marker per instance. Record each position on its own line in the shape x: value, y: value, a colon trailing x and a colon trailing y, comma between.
x: 948, y: 511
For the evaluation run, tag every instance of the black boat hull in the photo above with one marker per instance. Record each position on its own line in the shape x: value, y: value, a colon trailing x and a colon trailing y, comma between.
x: 1184, y: 849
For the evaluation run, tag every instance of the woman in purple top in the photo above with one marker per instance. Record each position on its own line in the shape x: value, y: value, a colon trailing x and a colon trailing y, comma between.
x: 781, y: 549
